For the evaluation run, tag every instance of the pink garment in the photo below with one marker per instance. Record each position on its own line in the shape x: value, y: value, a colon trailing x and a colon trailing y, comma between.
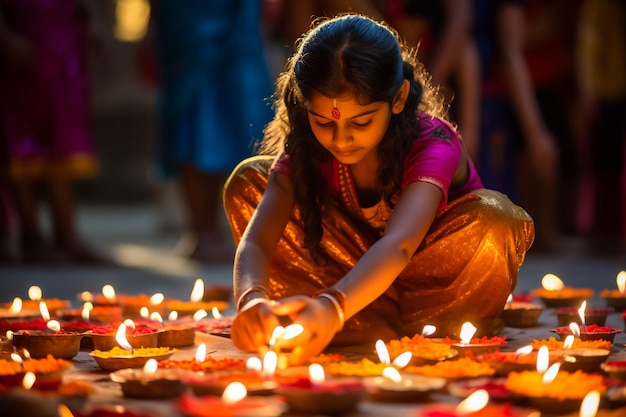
x: 433, y: 159
x: 45, y: 104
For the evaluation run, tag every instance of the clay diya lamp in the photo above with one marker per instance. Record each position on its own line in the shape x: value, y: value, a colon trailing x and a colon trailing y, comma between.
x: 590, y: 332
x: 205, y: 364
x: 53, y: 341
x: 523, y: 359
x: 15, y: 310
x: 318, y: 395
x: 616, y: 298
x: 521, y: 312
x: 615, y: 369
x: 138, y: 336
x: 234, y: 402
x: 48, y: 371
x: 555, y: 294
x: 474, y: 345
x: 395, y: 387
x: 588, y: 315
x: 95, y: 314
x: 215, y: 383
x: 424, y: 350
x: 554, y: 391
x: 176, y: 333
x: 476, y: 405
x: 127, y: 356
x: 141, y: 305
x: 149, y: 381
x: 196, y: 302
x: 35, y: 295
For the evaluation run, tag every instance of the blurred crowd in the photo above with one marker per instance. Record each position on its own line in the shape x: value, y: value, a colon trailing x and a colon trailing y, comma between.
x: 537, y: 89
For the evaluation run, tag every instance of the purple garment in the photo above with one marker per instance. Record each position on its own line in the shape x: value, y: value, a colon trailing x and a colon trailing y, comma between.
x: 45, y: 106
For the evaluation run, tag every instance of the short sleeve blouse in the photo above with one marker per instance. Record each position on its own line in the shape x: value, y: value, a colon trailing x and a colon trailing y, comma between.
x: 433, y: 159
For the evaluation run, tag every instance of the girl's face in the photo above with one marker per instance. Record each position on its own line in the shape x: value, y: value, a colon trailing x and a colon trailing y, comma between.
x: 350, y: 131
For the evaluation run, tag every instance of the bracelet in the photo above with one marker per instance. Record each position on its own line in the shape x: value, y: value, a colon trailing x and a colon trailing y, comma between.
x: 338, y: 299
x: 255, y: 288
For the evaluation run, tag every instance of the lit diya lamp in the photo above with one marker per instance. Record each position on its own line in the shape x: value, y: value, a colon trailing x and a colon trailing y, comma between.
x: 53, y: 341
x: 475, y: 405
x: 35, y: 296
x: 104, y: 307
x: 317, y: 394
x: 616, y: 298
x: 477, y: 346
x: 176, y: 332
x: 590, y: 332
x: 234, y: 402
x: 218, y: 324
x: 423, y: 349
x: 15, y: 309
x: 523, y: 359
x: 584, y: 359
x: 551, y: 390
x: 150, y: 381
x: 520, y: 314
x: 196, y: 302
x: 127, y: 356
x: 143, y: 335
x: 582, y: 315
x: 142, y: 305
x: 48, y: 371
x: 203, y: 363
x: 554, y: 293
x: 393, y: 386
x: 213, y: 376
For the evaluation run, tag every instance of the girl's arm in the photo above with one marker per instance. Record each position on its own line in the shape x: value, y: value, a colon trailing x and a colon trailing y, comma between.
x: 377, y: 269
x: 255, y: 322
x: 372, y: 275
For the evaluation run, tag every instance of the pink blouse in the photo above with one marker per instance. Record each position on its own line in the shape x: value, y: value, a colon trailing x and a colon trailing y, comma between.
x: 434, y: 158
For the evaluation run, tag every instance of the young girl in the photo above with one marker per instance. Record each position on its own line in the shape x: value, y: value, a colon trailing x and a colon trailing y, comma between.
x: 363, y: 217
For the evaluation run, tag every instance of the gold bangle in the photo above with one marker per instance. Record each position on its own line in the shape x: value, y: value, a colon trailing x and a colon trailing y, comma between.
x: 255, y: 288
x: 338, y: 300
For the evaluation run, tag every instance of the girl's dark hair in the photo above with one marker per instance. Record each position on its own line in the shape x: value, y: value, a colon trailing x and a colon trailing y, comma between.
x: 349, y: 54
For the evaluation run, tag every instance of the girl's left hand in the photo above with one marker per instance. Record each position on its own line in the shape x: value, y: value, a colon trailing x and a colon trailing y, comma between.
x: 319, y: 319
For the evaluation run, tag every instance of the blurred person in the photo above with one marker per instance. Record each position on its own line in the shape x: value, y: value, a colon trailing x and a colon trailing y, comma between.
x: 601, y: 65
x: 214, y: 84
x: 517, y: 147
x: 442, y: 32
x: 45, y: 107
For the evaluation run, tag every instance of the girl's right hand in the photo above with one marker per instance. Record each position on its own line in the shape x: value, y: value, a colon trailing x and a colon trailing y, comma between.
x: 253, y: 326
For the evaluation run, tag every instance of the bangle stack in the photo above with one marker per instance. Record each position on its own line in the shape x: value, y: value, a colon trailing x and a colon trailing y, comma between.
x: 338, y: 300
x: 255, y: 288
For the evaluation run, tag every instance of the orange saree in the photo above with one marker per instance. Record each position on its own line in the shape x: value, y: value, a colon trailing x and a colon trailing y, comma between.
x: 464, y: 269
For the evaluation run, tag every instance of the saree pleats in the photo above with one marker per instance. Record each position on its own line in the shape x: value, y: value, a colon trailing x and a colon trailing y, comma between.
x: 464, y: 270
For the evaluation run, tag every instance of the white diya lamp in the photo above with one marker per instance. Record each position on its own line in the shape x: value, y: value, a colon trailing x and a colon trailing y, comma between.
x: 127, y: 356
x: 233, y: 402
x: 149, y: 381
x: 317, y: 394
x: 520, y: 314
x: 53, y: 341
x: 616, y: 298
x: 554, y: 293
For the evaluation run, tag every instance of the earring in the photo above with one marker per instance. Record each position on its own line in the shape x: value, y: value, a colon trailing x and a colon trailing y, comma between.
x: 335, y: 111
